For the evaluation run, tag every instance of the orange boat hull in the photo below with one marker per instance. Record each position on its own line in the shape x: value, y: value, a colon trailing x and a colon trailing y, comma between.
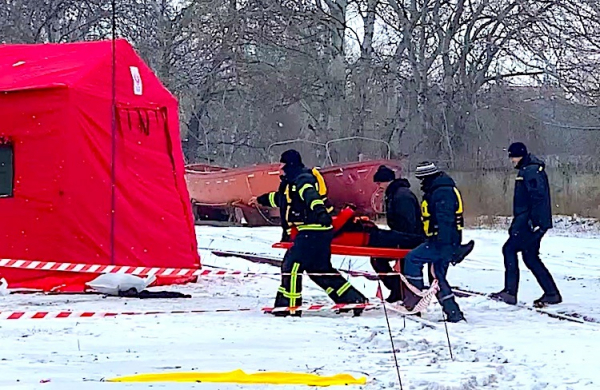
x: 216, y: 192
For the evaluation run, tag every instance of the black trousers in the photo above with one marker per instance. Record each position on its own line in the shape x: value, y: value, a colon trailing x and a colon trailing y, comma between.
x: 529, y: 245
x: 439, y: 255
x: 392, y: 239
x: 311, y: 252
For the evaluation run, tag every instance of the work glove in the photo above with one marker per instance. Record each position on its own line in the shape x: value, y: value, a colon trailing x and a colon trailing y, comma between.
x: 538, y: 232
x: 323, y: 217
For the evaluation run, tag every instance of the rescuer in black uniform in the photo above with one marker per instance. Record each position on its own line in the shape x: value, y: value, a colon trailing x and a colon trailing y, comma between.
x: 442, y: 213
x: 532, y: 212
x: 302, y: 206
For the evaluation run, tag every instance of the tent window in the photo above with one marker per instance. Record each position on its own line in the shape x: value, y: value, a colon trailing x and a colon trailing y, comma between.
x: 7, y: 172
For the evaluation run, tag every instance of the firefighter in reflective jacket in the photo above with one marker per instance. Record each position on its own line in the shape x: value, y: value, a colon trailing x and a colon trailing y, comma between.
x: 303, y: 207
x: 442, y: 214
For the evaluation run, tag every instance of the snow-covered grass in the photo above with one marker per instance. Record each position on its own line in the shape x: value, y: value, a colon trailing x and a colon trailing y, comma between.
x: 565, y: 225
x: 501, y: 347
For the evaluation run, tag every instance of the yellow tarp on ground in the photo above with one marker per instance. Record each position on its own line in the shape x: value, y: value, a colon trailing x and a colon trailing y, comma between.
x: 239, y: 376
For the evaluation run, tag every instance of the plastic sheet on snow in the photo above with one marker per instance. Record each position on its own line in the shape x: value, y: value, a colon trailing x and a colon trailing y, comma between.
x: 239, y: 376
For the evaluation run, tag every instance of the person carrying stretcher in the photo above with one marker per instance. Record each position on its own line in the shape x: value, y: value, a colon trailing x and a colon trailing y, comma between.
x: 303, y: 208
x: 442, y: 213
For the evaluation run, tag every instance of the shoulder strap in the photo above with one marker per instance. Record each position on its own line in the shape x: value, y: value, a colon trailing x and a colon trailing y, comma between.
x: 320, y: 182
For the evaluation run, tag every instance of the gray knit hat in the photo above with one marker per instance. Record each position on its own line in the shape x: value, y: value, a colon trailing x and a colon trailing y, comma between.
x: 425, y: 169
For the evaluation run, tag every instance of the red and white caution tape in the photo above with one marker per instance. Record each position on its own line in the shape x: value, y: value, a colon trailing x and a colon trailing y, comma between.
x: 147, y: 271
x: 103, y: 268
x: 37, y: 315
x: 424, y: 302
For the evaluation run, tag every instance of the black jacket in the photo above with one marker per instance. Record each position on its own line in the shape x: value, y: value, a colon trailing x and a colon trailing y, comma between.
x: 442, y: 210
x: 403, y: 212
x: 531, y: 202
x: 299, y: 202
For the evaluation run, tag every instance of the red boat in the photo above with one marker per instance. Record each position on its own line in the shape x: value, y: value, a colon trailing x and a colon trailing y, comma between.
x: 222, y: 194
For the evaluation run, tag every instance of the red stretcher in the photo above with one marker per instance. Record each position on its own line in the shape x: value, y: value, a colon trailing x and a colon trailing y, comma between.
x: 346, y: 250
x: 351, y: 243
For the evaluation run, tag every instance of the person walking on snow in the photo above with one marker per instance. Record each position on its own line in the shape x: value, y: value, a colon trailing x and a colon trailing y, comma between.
x: 532, y: 212
x: 303, y: 207
x: 442, y: 213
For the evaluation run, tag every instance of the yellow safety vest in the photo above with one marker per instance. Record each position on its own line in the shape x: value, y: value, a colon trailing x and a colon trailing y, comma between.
x: 432, y: 230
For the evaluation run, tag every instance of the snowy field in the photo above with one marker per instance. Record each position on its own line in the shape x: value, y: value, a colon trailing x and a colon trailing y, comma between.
x: 500, y: 347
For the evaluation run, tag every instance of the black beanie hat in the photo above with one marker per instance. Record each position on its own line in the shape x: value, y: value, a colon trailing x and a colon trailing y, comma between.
x: 384, y: 175
x: 291, y: 158
x: 517, y: 149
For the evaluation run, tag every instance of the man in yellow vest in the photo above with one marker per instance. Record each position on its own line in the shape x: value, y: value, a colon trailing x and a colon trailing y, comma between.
x: 442, y: 214
x: 303, y: 207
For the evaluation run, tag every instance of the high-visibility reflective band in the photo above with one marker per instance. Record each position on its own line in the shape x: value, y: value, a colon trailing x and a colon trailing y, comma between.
x: 446, y: 297
x: 425, y: 217
x: 287, y: 194
x: 329, y: 290
x: 314, y: 227
x: 519, y: 178
x: 288, y: 295
x: 330, y: 209
x: 316, y: 202
x: 272, y: 199
x: 460, y: 202
x: 343, y: 289
x: 288, y: 199
x: 304, y: 188
x: 293, y: 286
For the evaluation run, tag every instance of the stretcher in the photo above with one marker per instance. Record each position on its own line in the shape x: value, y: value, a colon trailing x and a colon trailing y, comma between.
x: 346, y: 250
x: 351, y: 243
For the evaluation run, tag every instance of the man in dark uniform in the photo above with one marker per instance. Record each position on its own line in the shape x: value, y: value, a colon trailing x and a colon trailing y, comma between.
x: 442, y: 213
x: 301, y: 206
x: 532, y: 212
x: 403, y: 215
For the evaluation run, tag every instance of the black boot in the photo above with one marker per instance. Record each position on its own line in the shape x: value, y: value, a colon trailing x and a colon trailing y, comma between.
x: 410, y: 301
x: 394, y: 297
x: 357, y: 298
x: 451, y: 309
x: 548, y: 299
x: 505, y: 297
x: 297, y: 313
x: 455, y: 316
x: 461, y: 252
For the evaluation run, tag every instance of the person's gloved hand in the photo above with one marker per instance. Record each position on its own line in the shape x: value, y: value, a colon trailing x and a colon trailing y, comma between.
x: 323, y: 218
x: 538, y: 232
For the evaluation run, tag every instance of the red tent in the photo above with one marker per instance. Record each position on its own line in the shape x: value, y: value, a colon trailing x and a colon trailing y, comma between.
x: 56, y: 148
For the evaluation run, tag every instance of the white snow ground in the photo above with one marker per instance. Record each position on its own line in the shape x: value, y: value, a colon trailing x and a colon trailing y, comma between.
x: 501, y: 347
